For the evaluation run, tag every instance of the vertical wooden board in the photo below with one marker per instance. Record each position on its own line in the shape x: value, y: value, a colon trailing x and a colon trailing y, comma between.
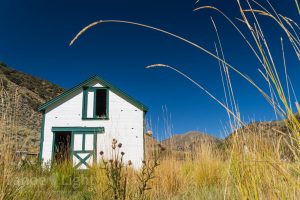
x: 90, y: 104
x: 77, y: 142
x: 89, y: 142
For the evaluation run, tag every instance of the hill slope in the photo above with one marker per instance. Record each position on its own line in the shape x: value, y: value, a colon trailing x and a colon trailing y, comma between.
x: 24, y: 93
x: 188, y: 141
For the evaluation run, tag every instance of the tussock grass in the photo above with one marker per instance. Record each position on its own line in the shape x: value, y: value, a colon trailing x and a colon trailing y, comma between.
x: 254, y: 172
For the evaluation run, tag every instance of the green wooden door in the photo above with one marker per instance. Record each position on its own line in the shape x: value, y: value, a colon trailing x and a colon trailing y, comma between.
x: 84, y: 149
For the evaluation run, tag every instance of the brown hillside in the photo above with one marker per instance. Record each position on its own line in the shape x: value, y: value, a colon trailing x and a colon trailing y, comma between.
x: 23, y: 95
x: 188, y: 141
x: 268, y: 129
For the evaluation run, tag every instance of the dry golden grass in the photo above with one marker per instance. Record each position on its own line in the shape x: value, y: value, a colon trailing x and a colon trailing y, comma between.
x: 251, y: 172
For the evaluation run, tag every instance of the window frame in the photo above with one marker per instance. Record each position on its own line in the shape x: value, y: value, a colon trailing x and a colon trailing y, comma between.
x: 85, y: 103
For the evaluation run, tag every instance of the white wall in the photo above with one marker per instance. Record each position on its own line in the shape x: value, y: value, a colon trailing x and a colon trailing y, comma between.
x: 125, y: 124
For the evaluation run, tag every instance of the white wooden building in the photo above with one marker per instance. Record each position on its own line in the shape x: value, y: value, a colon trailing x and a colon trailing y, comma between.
x: 80, y: 123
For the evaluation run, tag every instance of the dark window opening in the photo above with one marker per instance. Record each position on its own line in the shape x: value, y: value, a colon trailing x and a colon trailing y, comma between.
x: 62, y: 150
x: 101, y: 103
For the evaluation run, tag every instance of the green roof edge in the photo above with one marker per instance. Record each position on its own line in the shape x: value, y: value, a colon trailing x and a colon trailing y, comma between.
x: 105, y: 84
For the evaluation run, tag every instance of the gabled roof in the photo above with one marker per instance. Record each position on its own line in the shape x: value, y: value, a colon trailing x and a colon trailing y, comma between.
x: 102, y: 82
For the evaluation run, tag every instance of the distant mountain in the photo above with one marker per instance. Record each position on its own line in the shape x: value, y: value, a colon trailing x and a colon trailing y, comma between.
x: 266, y: 129
x: 25, y: 93
x: 189, y: 141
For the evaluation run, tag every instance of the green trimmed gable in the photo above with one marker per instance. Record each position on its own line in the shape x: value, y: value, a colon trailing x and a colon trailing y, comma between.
x: 104, y: 84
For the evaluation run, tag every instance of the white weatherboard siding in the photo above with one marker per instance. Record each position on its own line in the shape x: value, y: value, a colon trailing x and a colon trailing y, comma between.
x: 125, y: 124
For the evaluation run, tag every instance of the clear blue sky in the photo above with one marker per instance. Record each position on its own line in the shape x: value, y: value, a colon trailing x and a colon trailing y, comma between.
x: 34, y: 38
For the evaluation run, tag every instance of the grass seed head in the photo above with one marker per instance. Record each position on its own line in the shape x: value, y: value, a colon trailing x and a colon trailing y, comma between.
x: 129, y: 163
x: 114, y: 141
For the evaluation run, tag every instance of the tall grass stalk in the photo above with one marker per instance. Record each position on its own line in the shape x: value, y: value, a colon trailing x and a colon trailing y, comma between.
x: 8, y: 137
x: 256, y: 167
